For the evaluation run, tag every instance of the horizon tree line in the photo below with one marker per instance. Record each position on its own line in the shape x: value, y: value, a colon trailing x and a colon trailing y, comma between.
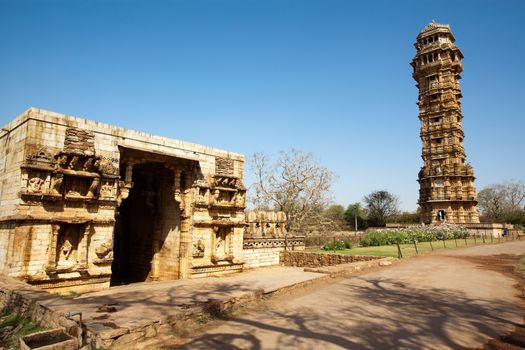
x: 294, y: 182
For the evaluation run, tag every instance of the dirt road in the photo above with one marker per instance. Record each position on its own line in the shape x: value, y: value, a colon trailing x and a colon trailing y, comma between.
x: 451, y: 300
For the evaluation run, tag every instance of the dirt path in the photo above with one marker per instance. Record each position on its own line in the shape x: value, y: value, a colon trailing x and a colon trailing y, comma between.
x: 451, y: 300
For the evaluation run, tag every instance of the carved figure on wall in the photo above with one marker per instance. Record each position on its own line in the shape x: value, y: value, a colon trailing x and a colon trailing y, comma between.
x: 106, y: 166
x: 88, y: 164
x: 61, y: 161
x: 75, y: 187
x: 92, y: 190
x: 198, y: 249
x: 34, y: 185
x: 73, y: 163
x: 106, y: 190
x: 56, y: 184
x: 215, y: 197
x: 66, y: 249
x: 104, y: 250
x: 220, y: 244
x: 41, y: 156
x: 239, y: 199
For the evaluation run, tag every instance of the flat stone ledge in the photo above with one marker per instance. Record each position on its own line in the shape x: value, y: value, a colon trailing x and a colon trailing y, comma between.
x: 351, y: 268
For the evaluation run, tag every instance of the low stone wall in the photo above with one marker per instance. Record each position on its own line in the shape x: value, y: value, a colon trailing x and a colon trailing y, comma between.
x: 494, y: 230
x: 307, y: 259
x: 22, y: 299
x: 262, y: 251
x: 262, y: 257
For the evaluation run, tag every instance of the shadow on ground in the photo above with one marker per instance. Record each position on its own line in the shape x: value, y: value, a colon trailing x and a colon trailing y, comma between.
x: 401, y: 316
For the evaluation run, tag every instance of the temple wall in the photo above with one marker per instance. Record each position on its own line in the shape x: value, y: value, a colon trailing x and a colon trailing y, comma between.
x: 62, y: 179
x: 262, y: 257
x: 265, y: 239
x: 12, y: 154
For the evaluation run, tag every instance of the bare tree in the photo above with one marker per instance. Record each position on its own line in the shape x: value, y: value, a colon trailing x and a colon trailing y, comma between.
x: 294, y: 183
x: 515, y: 193
x: 494, y: 200
x: 491, y: 201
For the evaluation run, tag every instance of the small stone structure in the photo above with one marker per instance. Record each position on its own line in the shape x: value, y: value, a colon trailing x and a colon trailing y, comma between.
x: 446, y: 180
x: 85, y: 204
x: 265, y: 237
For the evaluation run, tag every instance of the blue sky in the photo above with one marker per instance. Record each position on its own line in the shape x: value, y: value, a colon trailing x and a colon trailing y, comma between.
x: 327, y: 77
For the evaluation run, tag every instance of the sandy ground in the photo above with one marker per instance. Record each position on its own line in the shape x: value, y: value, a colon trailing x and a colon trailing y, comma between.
x: 451, y: 300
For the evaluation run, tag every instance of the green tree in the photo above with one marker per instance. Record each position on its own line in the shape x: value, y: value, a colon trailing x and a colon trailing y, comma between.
x: 355, y: 212
x: 334, y: 217
x: 335, y: 212
x: 405, y: 217
x: 381, y: 205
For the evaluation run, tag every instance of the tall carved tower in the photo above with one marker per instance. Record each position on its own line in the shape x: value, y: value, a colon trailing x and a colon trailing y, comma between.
x: 446, y: 180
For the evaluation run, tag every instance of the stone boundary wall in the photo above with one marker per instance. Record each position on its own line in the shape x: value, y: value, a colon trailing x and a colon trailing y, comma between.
x: 261, y: 252
x: 307, y: 259
x: 28, y: 301
x: 262, y: 257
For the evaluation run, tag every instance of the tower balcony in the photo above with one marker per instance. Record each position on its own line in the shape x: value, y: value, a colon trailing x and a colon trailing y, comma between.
x: 435, y: 150
x: 446, y: 127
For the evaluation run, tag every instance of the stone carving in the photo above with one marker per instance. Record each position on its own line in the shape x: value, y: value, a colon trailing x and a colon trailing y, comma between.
x: 104, y: 250
x: 56, y: 184
x: 73, y: 163
x: 61, y: 161
x: 239, y: 199
x: 65, y: 249
x: 106, y: 190
x: 34, y: 185
x: 106, y: 166
x: 93, y: 188
x: 41, y: 156
x: 198, y: 249
x: 265, y: 224
x: 220, y: 243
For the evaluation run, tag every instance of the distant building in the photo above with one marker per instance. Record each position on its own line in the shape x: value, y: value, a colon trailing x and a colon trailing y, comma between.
x: 447, y: 192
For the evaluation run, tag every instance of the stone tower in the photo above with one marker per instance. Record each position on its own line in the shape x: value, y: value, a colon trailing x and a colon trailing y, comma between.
x: 446, y: 180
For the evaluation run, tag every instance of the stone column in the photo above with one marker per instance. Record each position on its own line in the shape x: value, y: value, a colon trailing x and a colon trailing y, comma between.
x: 157, y: 231
x: 176, y: 185
x: 127, y: 184
x: 185, y: 228
x: 83, y: 247
x: 52, y: 253
x: 129, y: 172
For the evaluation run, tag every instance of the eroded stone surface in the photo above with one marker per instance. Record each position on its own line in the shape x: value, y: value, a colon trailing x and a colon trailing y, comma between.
x: 84, y: 204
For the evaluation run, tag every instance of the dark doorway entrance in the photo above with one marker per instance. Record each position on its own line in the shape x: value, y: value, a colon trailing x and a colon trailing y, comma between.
x: 137, y: 224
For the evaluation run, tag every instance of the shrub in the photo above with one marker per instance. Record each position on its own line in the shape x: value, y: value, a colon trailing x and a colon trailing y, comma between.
x: 338, y: 245
x: 409, y: 235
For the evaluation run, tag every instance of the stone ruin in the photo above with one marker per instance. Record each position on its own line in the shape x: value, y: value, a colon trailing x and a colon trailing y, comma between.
x: 265, y: 237
x: 85, y: 205
x: 265, y: 224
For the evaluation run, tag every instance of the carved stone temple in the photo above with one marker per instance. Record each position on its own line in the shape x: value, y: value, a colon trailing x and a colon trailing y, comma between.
x: 447, y: 192
x: 85, y: 204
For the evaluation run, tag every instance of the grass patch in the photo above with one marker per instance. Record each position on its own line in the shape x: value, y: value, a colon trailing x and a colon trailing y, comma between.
x: 23, y: 327
x: 409, y: 250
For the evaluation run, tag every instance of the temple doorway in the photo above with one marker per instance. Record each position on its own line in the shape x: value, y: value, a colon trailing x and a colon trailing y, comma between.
x: 140, y: 228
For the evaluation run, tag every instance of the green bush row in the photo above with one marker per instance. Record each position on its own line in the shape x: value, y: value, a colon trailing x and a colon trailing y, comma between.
x: 338, y: 245
x: 409, y: 235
